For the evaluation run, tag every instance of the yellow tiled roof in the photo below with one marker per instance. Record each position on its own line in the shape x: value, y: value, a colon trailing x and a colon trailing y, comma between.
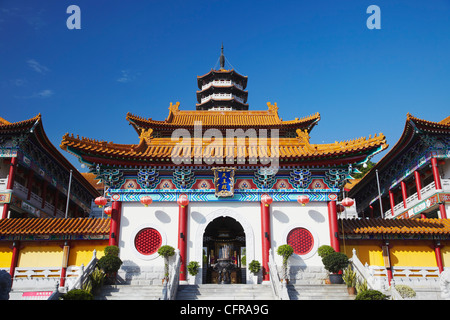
x: 217, y: 119
x: 395, y: 226
x: 54, y: 226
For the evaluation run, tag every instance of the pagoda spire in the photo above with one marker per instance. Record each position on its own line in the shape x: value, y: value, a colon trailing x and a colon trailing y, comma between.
x: 222, y: 59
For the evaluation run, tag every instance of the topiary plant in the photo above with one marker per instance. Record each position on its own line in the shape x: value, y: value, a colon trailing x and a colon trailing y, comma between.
x: 285, y: 251
x: 254, y: 266
x: 325, y: 250
x: 192, y: 268
x: 77, y: 294
x: 109, y: 264
x: 166, y: 252
x: 112, y: 250
x: 370, y: 295
x: 335, y: 262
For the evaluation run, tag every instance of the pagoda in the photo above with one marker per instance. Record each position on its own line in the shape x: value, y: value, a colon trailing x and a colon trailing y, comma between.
x: 222, y: 178
x: 222, y: 89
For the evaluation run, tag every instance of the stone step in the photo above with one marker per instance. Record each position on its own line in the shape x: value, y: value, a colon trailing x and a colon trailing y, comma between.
x: 130, y: 292
x: 319, y: 292
x: 224, y: 292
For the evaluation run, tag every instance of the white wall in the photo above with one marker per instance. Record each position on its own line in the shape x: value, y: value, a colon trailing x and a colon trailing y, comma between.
x: 163, y: 216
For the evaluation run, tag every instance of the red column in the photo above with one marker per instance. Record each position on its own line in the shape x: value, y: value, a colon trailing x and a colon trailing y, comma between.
x: 64, y: 264
x: 392, y: 201
x: 10, y: 184
x: 265, y: 238
x: 387, y: 261
x: 332, y: 217
x: 442, y: 210
x: 404, y: 194
x: 115, y: 223
x: 418, y: 184
x: 437, y: 252
x: 182, y: 239
x: 437, y: 178
x: 15, y: 258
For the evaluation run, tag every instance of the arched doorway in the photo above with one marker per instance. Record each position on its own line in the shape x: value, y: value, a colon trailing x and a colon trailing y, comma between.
x: 224, y: 237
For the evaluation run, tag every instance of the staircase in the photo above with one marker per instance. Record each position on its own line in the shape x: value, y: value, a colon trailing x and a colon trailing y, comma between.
x: 319, y: 292
x: 225, y: 292
x: 130, y: 292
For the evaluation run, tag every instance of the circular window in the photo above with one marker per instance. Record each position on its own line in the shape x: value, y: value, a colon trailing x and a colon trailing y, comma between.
x: 301, y: 240
x: 147, y: 241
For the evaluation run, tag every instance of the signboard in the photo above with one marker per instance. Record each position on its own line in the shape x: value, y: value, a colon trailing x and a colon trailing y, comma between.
x: 224, y: 181
x: 5, y: 197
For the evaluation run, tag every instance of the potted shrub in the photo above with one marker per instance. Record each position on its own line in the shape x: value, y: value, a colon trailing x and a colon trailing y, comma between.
x: 370, y: 295
x: 349, y: 277
x: 254, y: 267
x: 192, y: 269
x: 77, y: 294
x: 285, y: 251
x: 166, y: 252
x: 110, y: 263
x: 325, y: 250
x: 334, y: 263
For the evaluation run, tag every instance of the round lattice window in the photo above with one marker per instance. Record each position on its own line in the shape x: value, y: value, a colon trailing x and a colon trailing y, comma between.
x: 301, y: 240
x: 147, y: 241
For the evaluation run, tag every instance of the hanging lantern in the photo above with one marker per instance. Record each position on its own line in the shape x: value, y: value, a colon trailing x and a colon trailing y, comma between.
x: 108, y: 211
x: 266, y: 200
x: 101, y: 201
x: 303, y: 200
x: 347, y: 202
x: 146, y: 201
x: 183, y: 200
x: 340, y: 208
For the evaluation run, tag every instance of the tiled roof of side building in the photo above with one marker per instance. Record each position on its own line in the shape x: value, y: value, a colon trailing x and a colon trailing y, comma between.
x: 395, y: 226
x: 54, y: 226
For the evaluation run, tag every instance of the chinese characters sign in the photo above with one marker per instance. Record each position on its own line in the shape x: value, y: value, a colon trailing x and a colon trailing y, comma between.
x: 224, y: 181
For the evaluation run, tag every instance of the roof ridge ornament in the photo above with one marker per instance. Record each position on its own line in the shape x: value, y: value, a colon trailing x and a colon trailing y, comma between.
x: 222, y: 59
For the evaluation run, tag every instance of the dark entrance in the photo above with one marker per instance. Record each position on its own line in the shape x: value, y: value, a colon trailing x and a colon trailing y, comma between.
x: 224, y: 237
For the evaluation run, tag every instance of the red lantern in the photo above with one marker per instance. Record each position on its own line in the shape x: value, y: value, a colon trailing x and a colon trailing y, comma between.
x: 101, y: 201
x: 183, y: 200
x: 303, y: 200
x: 266, y: 200
x: 340, y: 208
x: 108, y: 211
x: 146, y: 201
x: 347, y: 202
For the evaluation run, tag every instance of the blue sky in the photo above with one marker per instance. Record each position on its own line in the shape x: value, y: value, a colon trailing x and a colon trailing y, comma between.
x: 308, y: 56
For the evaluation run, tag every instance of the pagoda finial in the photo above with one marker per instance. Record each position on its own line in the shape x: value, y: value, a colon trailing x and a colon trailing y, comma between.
x: 222, y: 59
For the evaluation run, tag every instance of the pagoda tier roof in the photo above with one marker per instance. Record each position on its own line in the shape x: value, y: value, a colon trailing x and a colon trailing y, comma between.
x: 232, y: 119
x: 414, y: 127
x: 229, y: 89
x: 388, y: 227
x: 222, y: 72
x: 212, y: 102
x: 162, y: 151
x: 54, y: 226
x: 35, y: 130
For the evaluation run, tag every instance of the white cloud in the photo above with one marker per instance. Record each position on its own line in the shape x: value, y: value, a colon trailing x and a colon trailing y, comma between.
x: 45, y: 93
x: 127, y: 76
x: 36, y: 66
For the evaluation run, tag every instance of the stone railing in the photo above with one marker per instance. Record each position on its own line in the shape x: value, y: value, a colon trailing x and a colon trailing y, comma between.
x: 170, y: 288
x: 278, y: 287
